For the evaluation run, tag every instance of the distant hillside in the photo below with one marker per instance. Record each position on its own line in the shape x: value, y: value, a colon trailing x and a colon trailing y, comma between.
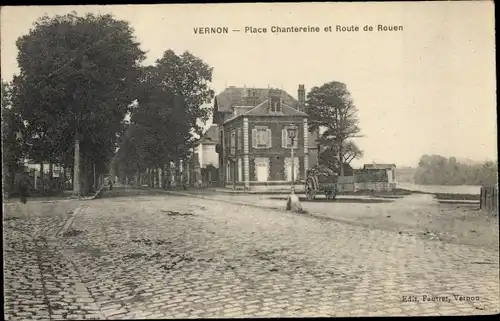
x: 438, y: 170
x: 406, y: 174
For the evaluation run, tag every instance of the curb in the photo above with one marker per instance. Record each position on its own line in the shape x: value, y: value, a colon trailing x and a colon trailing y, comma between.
x: 225, y: 201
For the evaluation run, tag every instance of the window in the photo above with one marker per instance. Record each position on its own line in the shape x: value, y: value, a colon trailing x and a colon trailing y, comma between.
x: 226, y: 142
x: 240, y: 170
x: 286, y: 141
x: 275, y: 105
x: 233, y: 142
x: 261, y: 137
x: 239, y: 138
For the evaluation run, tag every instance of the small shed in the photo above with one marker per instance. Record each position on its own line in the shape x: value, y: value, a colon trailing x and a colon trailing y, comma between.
x: 376, y: 177
x: 389, y: 168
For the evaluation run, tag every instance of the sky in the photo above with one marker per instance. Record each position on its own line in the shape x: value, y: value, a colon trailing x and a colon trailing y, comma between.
x: 427, y: 89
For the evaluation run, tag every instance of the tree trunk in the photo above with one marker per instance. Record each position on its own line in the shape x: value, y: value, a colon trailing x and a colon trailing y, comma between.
x: 84, y: 176
x: 178, y: 171
x: 9, y: 178
x: 5, y: 184
x: 164, y: 177
x: 42, y: 178
x: 94, y: 178
x: 62, y: 178
x: 76, y: 167
x: 90, y: 176
x: 168, y: 176
x: 51, y: 176
x: 341, y: 159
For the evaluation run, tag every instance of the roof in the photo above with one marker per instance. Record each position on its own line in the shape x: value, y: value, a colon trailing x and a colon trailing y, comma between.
x: 237, y: 96
x: 211, y: 135
x: 379, y: 166
x: 262, y: 110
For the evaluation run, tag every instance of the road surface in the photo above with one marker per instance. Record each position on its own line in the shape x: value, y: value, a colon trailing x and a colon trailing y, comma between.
x: 167, y: 256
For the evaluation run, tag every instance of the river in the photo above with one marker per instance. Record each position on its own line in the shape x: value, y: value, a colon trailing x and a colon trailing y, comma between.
x: 449, y: 189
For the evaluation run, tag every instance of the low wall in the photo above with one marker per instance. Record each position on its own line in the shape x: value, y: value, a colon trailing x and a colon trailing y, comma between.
x: 266, y: 186
x: 374, y: 186
x: 346, y: 184
x: 488, y: 200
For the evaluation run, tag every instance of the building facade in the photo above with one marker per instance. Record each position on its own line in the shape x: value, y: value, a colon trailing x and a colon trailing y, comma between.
x: 254, y: 149
x: 208, y: 159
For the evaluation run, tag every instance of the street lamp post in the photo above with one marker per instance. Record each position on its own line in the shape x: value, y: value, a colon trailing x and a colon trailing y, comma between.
x: 292, y: 133
x: 293, y: 203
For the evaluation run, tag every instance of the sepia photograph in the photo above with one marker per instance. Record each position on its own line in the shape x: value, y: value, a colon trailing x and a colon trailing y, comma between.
x: 188, y: 161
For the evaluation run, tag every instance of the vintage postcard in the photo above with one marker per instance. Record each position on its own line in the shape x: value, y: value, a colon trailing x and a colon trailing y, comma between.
x: 249, y: 160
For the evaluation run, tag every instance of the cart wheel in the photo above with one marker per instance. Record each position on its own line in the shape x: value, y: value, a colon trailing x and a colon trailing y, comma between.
x: 310, y: 193
x: 331, y: 195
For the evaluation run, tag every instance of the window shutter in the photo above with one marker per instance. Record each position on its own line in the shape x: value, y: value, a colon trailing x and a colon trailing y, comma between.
x: 283, y: 138
x: 236, y: 141
x: 269, y: 138
x: 254, y: 138
x: 239, y: 139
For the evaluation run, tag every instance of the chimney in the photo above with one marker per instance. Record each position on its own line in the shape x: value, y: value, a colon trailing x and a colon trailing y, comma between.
x: 275, y: 100
x: 302, y: 98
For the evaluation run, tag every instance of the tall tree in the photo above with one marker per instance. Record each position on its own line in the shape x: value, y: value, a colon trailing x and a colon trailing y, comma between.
x: 170, y: 108
x: 331, y: 107
x: 12, y: 147
x: 78, y: 77
x: 187, y: 77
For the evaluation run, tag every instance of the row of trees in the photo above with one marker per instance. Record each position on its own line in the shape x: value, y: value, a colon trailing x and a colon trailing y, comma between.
x: 438, y: 170
x: 166, y: 122
x: 331, y: 107
x: 79, y: 77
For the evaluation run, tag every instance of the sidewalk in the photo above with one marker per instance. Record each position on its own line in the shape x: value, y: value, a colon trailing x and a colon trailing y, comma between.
x: 66, y: 195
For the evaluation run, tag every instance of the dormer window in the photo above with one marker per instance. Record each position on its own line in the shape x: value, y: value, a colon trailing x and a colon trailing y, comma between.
x: 275, y: 105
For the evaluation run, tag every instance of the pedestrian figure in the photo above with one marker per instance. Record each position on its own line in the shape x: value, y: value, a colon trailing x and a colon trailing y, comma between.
x: 110, y: 184
x: 23, y: 185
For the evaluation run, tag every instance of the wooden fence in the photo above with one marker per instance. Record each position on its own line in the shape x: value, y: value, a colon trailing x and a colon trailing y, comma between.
x: 489, y: 199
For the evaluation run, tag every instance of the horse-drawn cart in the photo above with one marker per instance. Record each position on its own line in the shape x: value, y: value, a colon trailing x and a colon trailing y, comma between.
x: 321, y: 179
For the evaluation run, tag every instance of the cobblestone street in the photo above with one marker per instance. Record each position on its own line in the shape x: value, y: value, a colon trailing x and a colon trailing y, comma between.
x: 185, y: 257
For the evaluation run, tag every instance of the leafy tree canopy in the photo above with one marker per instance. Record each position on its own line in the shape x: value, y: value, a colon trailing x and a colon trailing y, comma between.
x: 438, y: 170
x: 171, y: 99
x: 331, y: 107
x: 78, y: 74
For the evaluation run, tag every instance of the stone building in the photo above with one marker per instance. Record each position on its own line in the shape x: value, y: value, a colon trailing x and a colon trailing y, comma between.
x: 254, y: 148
